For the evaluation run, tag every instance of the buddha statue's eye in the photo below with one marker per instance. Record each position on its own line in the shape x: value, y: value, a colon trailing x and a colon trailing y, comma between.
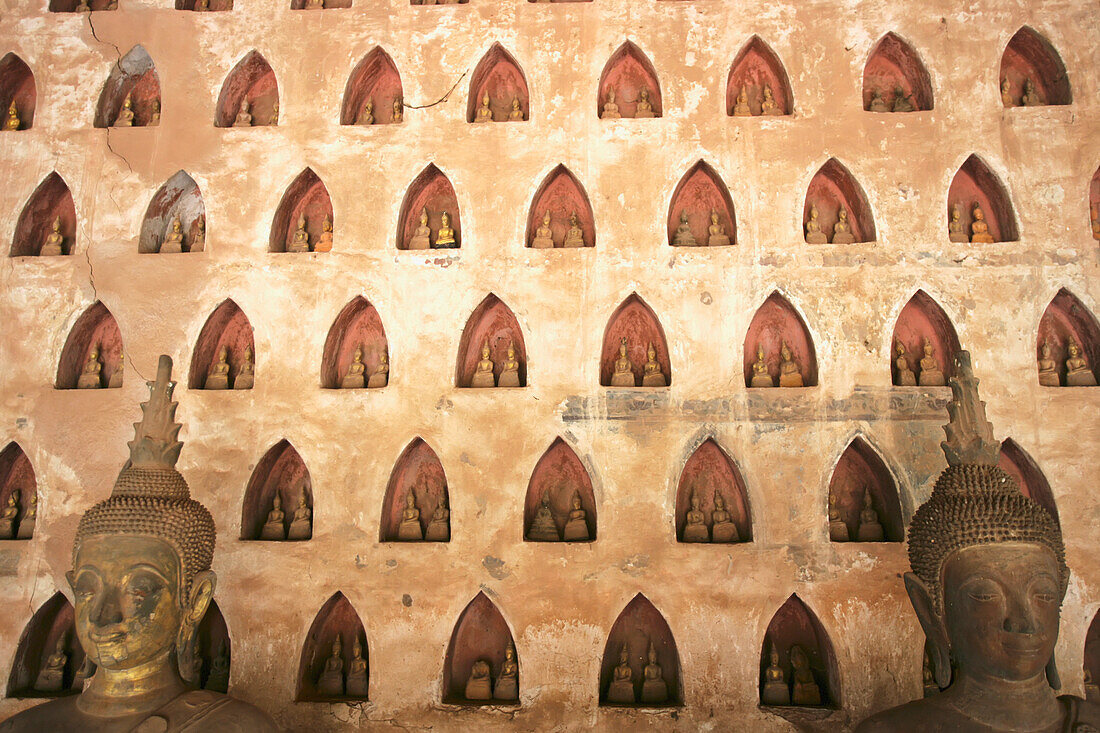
x: 85, y: 586
x: 142, y: 586
x: 983, y: 590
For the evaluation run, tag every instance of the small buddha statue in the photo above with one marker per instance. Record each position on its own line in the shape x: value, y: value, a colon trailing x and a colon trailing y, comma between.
x: 814, y: 235
x: 274, y: 529
x: 716, y: 233
x: 12, y: 121
x: 366, y: 115
x: 357, y: 672
x: 683, y: 236
x: 741, y: 108
x: 930, y: 373
x: 381, y: 374
x: 621, y: 689
x: 324, y: 242
x: 507, y: 686
x: 544, y: 237
x: 480, y: 684
x: 842, y: 230
x: 902, y: 103
x: 331, y: 682
x: 903, y: 376
x: 244, y: 116
x: 301, y: 527
x: 695, y: 523
x: 173, y: 238
x: 576, y: 529
x: 7, y: 518
x: 623, y: 374
x: 246, y: 373
x: 54, y: 241
x: 760, y: 375
x: 928, y: 680
x: 218, y: 679
x: 90, y: 377
x: 768, y: 105
x: 723, y: 529
x: 30, y: 517
x: 878, y: 104
x: 126, y: 114
x: 775, y: 690
x: 509, y: 369
x: 654, y: 687
x: 644, y: 108
x: 114, y: 381
x: 274, y: 120
x: 410, y: 530
x: 955, y: 230
x: 1078, y: 373
x: 398, y: 113
x: 610, y: 111
x: 1092, y: 690
x: 1048, y: 368
x: 1094, y: 217
x: 445, y: 237
x: 652, y: 376
x: 198, y: 241
x: 575, y: 236
x: 870, y: 529
x: 439, y: 529
x: 790, y: 375
x: 83, y: 7
x: 483, y: 373
x: 1031, y: 96
x: 51, y: 678
x: 202, y: 6
x: 484, y: 113
x: 804, y: 689
x: 314, y: 5
x: 516, y: 115
x: 979, y: 228
x: 543, y: 527
x: 354, y: 378
x: 154, y: 113
x: 299, y: 242
x: 421, y: 238
x: 218, y: 378
x: 1006, y: 94
x: 838, y: 528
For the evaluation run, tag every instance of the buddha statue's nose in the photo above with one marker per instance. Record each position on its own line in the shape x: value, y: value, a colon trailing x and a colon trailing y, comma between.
x: 107, y: 610
x: 1018, y: 618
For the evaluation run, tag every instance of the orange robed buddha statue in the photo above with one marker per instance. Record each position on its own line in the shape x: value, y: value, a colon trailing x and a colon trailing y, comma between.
x: 142, y: 582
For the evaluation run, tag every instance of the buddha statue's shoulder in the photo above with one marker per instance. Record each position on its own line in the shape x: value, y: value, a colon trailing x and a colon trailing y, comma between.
x: 203, y: 710
x: 52, y: 715
x: 1081, y: 715
x: 927, y: 715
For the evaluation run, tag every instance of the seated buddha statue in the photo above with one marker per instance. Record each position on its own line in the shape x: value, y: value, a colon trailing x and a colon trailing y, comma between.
x: 244, y: 116
x: 902, y: 103
x: 357, y: 672
x: 979, y: 229
x: 814, y: 235
x: 483, y: 372
x: 716, y: 233
x: 790, y: 375
x: 870, y: 529
x: 484, y: 113
x: 331, y: 681
x: 381, y: 374
x: 154, y: 114
x: 928, y: 680
x: 82, y: 6
x: 544, y: 237
x: 114, y: 381
x: 1006, y: 94
x: 644, y: 108
x: 741, y: 107
x: 422, y: 235
x: 28, y: 520
x: 398, y: 112
x: 299, y: 241
x: 410, y: 529
x: 1094, y: 215
x: 126, y: 114
x: 838, y: 528
x: 90, y: 376
x: 930, y: 373
x: 1031, y: 96
x: 543, y: 528
x: 722, y: 527
x: 51, y: 678
x: 878, y: 104
x: 354, y: 379
x: 683, y: 236
x: 507, y: 686
x: 1078, y: 373
x: 576, y: 528
x: 315, y: 5
x: 621, y: 689
x: 652, y: 376
x: 623, y: 373
x: 12, y: 121
x: 173, y: 238
x: 516, y: 115
x: 273, y: 528
x: 775, y: 691
x: 903, y: 375
x: 575, y: 236
x: 366, y: 115
x: 842, y: 230
x: 54, y: 244
x: 8, y: 516
x: 1048, y: 368
x: 955, y: 229
x: 301, y: 527
x: 219, y: 670
x: 654, y: 687
x: 1092, y: 690
x: 768, y: 105
x: 695, y: 523
x: 610, y: 111
x: 479, y: 686
x: 274, y: 119
x: 246, y: 372
x: 445, y: 237
x: 324, y: 242
x: 509, y: 369
x: 439, y: 528
x: 804, y: 689
x: 198, y: 240
x: 760, y: 375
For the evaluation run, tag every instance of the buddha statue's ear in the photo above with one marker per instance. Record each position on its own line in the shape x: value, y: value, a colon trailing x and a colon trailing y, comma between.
x: 194, y: 608
x: 934, y: 630
x: 70, y: 577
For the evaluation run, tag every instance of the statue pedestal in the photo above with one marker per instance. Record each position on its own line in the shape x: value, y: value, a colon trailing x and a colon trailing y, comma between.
x: 576, y: 530
x: 1082, y: 378
x: 378, y: 379
x: 244, y: 380
x: 419, y: 242
x: 352, y: 381
x: 300, y: 530
x: 478, y: 688
x: 357, y: 683
x: 273, y: 531
x: 508, y: 379
x: 843, y: 238
x: 725, y: 532
x: 438, y: 531
x: 775, y: 693
x: 483, y: 379
x: 654, y: 691
x: 794, y: 379
x: 621, y: 692
x: 216, y: 381
x: 870, y: 532
x: 543, y: 529
x: 622, y: 379
x: 410, y: 531
x: 805, y: 693
x: 656, y: 379
x: 817, y: 238
x: 762, y: 380
x: 696, y: 533
x: 507, y: 688
x: 331, y: 683
x: 88, y: 381
x: 26, y: 529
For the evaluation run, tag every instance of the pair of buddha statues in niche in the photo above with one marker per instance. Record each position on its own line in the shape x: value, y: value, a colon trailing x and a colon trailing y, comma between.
x: 485, y: 113
x: 544, y: 527
x: 54, y: 243
x: 842, y: 229
x: 742, y: 108
x: 411, y: 530
x: 480, y: 686
x: 509, y: 369
x: 218, y: 678
x: 902, y: 101
x: 544, y: 236
x: 12, y: 121
x: 643, y: 108
x: 721, y: 528
x: 333, y: 682
x: 1078, y: 372
x: 356, y: 375
x: 869, y: 528
x: 716, y: 233
x: 979, y: 227
x: 790, y: 374
x: 299, y: 241
x: 1030, y: 96
x: 175, y: 239
x: 13, y: 526
x: 218, y: 376
x: 621, y: 691
x: 91, y: 374
x: 301, y: 526
x: 366, y: 115
x: 422, y: 235
x: 802, y: 690
x: 244, y: 116
x: 623, y: 373
x: 931, y: 375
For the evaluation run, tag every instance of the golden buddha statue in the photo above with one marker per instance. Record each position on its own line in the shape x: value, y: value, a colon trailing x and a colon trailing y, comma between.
x: 741, y: 108
x: 154, y: 114
x: 114, y: 381
x: 544, y: 237
x: 576, y: 528
x: 877, y: 102
x: 445, y: 237
x: 930, y: 373
x: 480, y: 685
x: 366, y: 115
x: 218, y: 378
x: 516, y: 115
x: 955, y: 229
x: 244, y: 117
x: 299, y: 242
x: 903, y: 375
x: 1006, y: 94
x: 507, y: 686
x: 575, y: 236
x: 838, y: 528
x: 652, y: 376
x: 354, y: 378
x: 12, y: 121
x: 381, y: 374
x: 202, y: 6
x: 324, y: 242
x: 768, y: 105
x: 902, y: 103
x: 760, y: 375
x: 357, y: 672
x: 683, y: 236
x: 410, y: 530
x: 274, y: 119
x: 173, y: 239
x: 1031, y: 97
x: 654, y: 687
x: 439, y: 528
x: 331, y: 681
x: 814, y: 235
x: 314, y: 5
x: 623, y: 374
x: 484, y: 113
x: 90, y: 377
x: 695, y: 523
x: 301, y: 527
x: 804, y: 689
x: 126, y: 114
x: 775, y: 691
x: 1048, y: 368
x: 54, y: 244
x: 7, y: 518
x: 842, y: 230
x: 610, y: 109
x: 51, y: 678
x: 790, y: 375
x: 246, y: 372
x: 483, y: 373
x: 723, y: 529
x: 1078, y: 373
x: 422, y: 235
x: 870, y: 529
x: 621, y: 689
x: 543, y: 527
x: 716, y: 233
x: 30, y: 517
x: 1092, y: 690
x: 398, y: 112
x: 198, y: 241
x: 509, y: 369
x: 644, y: 108
x: 979, y: 228
x: 274, y: 529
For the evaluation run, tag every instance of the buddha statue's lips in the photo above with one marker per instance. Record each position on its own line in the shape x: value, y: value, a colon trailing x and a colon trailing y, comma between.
x: 107, y: 637
x: 1023, y: 644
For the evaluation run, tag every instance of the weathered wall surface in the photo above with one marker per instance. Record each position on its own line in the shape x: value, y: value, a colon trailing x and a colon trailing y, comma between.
x: 560, y: 601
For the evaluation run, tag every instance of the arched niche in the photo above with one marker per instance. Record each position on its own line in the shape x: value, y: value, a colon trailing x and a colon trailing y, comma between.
x: 861, y: 471
x: 794, y: 624
x: 976, y: 185
x: 211, y: 660
x: 283, y: 473
x: 710, y: 471
x: 227, y: 328
x: 252, y: 80
x: 1068, y: 320
x: 49, y: 631
x: 358, y: 326
x: 95, y: 330
x: 833, y: 187
x: 755, y: 67
x: 209, y: 6
x: 922, y: 320
x: 776, y: 323
x: 1092, y: 660
x: 17, y: 475
x: 1094, y: 204
x: 628, y: 73
x: 636, y: 322
x: 639, y: 626
x: 480, y: 634
x: 1030, y: 57
x: 133, y: 76
x: 700, y: 192
x: 431, y: 191
x: 1029, y: 477
x: 70, y: 6
x: 561, y: 196
x: 418, y: 471
x: 17, y: 86
x: 306, y: 197
x: 336, y: 620
x: 180, y: 198
x: 893, y: 65
x: 559, y: 475
x: 499, y: 76
x: 375, y: 80
x: 492, y: 323
x: 51, y: 202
